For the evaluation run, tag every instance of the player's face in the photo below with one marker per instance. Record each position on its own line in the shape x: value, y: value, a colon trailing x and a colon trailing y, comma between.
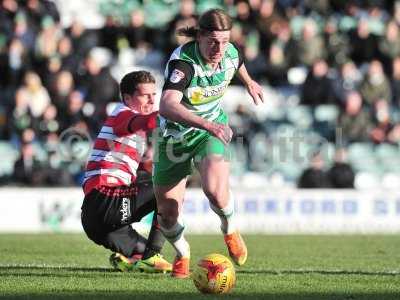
x: 213, y: 45
x: 143, y: 98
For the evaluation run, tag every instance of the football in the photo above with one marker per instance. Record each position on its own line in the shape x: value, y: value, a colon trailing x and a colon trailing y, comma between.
x: 214, y: 274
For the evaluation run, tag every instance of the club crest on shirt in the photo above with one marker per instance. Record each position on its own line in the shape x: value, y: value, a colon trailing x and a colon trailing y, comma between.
x: 176, y: 76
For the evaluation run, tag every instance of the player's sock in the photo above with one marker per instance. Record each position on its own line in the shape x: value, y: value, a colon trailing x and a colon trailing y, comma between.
x: 155, y: 241
x: 226, y: 216
x: 175, y: 236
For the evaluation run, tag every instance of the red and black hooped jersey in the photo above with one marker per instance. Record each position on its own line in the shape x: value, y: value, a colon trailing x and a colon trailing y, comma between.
x: 118, y: 149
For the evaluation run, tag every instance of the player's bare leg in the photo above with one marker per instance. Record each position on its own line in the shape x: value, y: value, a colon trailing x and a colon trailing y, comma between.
x: 214, y: 172
x: 169, y: 203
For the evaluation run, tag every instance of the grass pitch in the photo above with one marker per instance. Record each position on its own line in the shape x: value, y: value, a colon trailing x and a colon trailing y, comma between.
x: 69, y: 266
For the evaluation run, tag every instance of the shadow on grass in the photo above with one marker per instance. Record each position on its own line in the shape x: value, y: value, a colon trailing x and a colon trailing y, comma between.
x: 52, y: 269
x: 195, y: 296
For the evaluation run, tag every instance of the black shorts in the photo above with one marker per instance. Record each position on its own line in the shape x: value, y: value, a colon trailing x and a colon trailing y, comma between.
x: 107, y: 213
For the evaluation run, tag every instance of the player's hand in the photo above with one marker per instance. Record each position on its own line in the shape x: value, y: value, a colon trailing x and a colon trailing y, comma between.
x: 221, y: 131
x: 255, y: 91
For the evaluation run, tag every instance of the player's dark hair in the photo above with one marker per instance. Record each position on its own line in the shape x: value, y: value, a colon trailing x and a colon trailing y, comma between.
x: 130, y: 81
x: 212, y: 20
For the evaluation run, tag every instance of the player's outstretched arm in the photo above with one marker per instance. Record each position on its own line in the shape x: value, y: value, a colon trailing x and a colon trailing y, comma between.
x: 128, y: 123
x: 253, y: 88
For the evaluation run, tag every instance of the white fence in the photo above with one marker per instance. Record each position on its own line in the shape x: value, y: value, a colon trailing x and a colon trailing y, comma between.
x: 257, y: 211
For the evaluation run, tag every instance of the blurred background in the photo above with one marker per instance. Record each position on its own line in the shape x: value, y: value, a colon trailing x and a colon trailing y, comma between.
x: 330, y: 70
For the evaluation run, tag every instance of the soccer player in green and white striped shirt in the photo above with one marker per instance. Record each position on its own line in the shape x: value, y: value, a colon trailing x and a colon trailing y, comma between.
x: 193, y: 128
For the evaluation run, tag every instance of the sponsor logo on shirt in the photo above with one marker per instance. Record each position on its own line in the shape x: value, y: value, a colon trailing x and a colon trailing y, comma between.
x: 176, y: 76
x: 125, y: 210
x: 214, y: 92
x: 197, y: 96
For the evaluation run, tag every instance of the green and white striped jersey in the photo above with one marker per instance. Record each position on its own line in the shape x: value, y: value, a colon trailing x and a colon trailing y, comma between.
x: 204, y: 87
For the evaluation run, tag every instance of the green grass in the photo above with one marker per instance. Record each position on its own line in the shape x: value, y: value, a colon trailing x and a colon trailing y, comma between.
x: 68, y: 266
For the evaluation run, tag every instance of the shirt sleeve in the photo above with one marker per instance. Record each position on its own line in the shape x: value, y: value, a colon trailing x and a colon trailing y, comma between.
x: 130, y: 122
x: 241, y: 56
x: 180, y: 74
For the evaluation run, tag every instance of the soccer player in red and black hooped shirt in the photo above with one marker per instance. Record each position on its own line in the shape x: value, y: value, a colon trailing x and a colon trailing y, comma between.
x: 117, y: 184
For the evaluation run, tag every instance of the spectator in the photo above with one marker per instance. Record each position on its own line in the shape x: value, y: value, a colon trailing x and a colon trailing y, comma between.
x: 82, y: 40
x: 50, y: 71
x: 348, y: 80
x: 37, y: 94
x: 57, y: 172
x: 363, y: 43
x: 337, y: 43
x: 137, y: 33
x: 47, y: 124
x: 47, y: 40
x: 8, y: 11
x: 376, y: 85
x: 73, y: 113
x: 341, y: 175
x: 23, y: 32
x: 314, y: 176
x: 99, y: 87
x: 62, y: 86
x: 27, y: 168
x: 277, y: 66
x: 310, y: 47
x: 396, y: 82
x: 389, y: 45
x: 39, y: 9
x: 317, y: 89
x: 186, y: 17
x: 16, y: 64
x: 268, y: 22
x: 354, y: 122
x: 245, y: 17
x: 110, y: 34
x: 244, y: 125
x: 145, y: 42
x: 384, y: 131
x: 69, y: 60
x: 20, y: 117
x: 250, y: 42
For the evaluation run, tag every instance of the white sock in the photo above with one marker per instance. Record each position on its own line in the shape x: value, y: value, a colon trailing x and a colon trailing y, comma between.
x: 175, y: 236
x: 226, y: 216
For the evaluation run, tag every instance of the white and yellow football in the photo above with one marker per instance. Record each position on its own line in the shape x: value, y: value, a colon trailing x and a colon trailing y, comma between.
x: 214, y: 274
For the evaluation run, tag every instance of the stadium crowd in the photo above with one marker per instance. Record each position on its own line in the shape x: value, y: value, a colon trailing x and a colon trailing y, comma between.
x: 318, y: 57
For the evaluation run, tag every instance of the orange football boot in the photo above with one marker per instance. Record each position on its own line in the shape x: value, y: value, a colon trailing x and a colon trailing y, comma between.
x: 180, y: 268
x: 236, y: 247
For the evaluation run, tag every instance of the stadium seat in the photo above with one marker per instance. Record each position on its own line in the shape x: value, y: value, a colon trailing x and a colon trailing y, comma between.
x: 328, y: 152
x: 389, y: 157
x: 158, y: 13
x: 204, y: 5
x: 391, y: 181
x: 234, y: 96
x: 325, y: 117
x: 238, y: 160
x: 254, y: 180
x: 365, y: 180
x: 297, y: 75
x: 363, y: 159
x: 326, y: 112
x: 120, y: 9
x: 300, y: 116
x: 8, y: 157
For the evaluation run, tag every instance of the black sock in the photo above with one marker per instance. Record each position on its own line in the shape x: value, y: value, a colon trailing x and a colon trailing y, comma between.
x: 155, y: 241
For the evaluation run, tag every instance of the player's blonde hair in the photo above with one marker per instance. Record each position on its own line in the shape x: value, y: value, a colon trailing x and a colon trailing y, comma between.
x: 212, y: 20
